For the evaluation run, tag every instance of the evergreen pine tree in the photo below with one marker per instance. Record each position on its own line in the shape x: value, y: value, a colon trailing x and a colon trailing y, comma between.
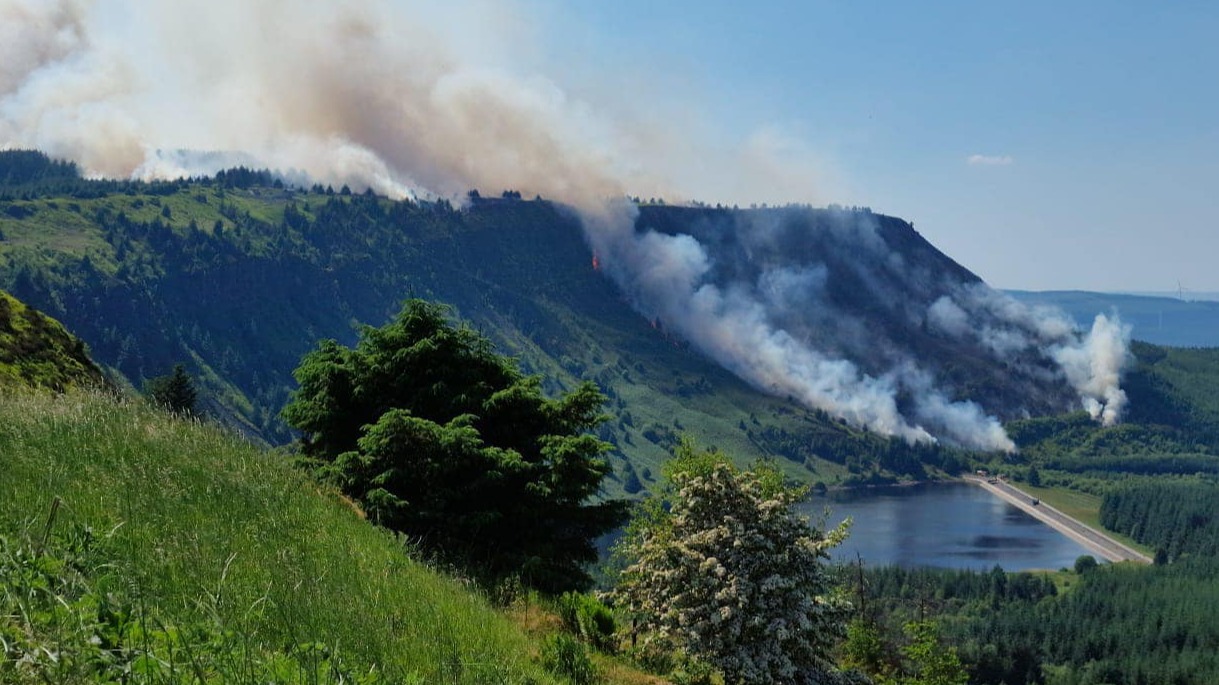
x: 444, y: 440
x: 174, y: 392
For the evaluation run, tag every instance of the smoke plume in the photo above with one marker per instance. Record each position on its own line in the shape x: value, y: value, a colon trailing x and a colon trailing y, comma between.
x: 398, y: 95
x: 830, y: 308
x: 1094, y: 367
x: 418, y: 98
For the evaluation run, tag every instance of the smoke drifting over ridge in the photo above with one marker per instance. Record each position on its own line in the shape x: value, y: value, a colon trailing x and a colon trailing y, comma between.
x: 855, y: 314
x: 415, y: 98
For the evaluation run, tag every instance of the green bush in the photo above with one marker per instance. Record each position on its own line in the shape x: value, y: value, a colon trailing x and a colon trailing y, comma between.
x: 442, y: 439
x: 692, y: 672
x: 669, y: 662
x: 566, y: 656
x: 585, y: 616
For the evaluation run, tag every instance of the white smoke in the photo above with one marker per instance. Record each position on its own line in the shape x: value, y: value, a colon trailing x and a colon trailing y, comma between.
x: 1092, y: 362
x: 415, y: 98
x: 755, y: 295
x: 740, y: 325
x: 947, y: 317
x: 666, y: 277
x: 1094, y: 367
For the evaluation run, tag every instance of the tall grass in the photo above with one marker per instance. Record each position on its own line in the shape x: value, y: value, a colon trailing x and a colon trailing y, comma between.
x: 195, y: 528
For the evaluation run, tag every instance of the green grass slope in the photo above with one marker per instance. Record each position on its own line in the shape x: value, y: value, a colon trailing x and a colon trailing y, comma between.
x: 179, y: 551
x: 36, y: 350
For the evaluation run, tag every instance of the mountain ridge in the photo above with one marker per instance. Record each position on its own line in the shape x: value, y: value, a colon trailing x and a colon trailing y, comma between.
x: 237, y: 276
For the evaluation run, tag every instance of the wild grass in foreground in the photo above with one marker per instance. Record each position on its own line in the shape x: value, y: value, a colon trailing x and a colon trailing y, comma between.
x: 180, y: 554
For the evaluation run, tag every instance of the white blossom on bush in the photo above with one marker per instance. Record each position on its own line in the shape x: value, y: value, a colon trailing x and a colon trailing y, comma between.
x: 725, y: 569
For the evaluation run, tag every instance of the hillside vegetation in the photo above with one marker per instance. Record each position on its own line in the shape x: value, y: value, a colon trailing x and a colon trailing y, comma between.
x: 138, y: 545
x: 185, y: 545
x: 237, y: 277
x: 1172, y: 427
x: 36, y: 350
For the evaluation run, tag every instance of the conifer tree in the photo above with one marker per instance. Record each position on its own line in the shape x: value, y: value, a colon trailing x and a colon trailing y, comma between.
x: 446, y: 441
x: 174, y: 392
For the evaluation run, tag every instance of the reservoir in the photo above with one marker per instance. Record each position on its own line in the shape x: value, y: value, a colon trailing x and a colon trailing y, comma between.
x: 944, y: 525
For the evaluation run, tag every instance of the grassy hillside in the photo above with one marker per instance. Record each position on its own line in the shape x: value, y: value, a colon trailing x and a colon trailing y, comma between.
x: 178, y: 546
x: 36, y: 350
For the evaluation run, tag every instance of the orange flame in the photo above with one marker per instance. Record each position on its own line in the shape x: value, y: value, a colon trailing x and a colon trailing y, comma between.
x: 596, y: 262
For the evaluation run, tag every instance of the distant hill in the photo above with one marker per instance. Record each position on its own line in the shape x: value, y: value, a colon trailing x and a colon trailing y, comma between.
x: 1156, y: 319
x: 36, y: 350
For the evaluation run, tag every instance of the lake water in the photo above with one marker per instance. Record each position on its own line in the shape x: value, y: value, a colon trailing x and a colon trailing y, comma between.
x: 946, y: 525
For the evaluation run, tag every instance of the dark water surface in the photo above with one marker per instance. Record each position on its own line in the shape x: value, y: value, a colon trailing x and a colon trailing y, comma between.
x: 946, y: 525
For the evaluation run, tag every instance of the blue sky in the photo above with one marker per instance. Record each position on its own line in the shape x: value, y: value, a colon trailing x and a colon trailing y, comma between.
x: 1043, y: 145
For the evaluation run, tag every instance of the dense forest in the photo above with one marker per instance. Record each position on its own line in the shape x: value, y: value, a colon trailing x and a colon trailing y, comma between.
x: 1177, y: 517
x: 1114, y: 624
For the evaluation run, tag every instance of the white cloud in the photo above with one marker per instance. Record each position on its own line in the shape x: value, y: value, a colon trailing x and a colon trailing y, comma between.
x: 989, y: 160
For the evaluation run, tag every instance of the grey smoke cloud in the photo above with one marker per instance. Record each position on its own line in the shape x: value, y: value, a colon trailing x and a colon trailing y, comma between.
x: 946, y: 316
x: 667, y: 278
x: 428, y: 98
x: 755, y: 295
x: 34, y: 34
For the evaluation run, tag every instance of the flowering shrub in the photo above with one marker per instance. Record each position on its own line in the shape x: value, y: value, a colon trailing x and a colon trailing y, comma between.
x: 726, y: 570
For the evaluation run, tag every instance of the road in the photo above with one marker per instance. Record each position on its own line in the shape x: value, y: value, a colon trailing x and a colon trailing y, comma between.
x: 1094, y: 540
